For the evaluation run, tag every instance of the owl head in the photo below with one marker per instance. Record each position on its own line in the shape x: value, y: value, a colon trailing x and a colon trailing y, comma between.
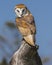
x: 21, y: 10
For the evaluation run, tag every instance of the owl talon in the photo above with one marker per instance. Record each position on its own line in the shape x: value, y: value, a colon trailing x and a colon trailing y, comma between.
x: 36, y: 46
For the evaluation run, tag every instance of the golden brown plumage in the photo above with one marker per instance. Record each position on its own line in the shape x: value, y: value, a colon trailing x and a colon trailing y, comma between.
x: 26, y: 26
x: 20, y: 6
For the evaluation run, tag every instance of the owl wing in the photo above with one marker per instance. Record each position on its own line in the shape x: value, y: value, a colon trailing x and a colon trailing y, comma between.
x: 32, y: 27
x: 31, y: 23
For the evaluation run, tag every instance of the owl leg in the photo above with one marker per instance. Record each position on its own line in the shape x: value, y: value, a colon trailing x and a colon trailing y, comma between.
x: 24, y: 40
x: 36, y: 46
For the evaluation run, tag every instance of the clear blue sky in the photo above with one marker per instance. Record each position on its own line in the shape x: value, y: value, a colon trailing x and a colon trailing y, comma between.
x: 42, y: 12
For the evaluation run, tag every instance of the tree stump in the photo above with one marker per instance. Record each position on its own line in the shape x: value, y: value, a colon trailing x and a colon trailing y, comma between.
x: 26, y: 55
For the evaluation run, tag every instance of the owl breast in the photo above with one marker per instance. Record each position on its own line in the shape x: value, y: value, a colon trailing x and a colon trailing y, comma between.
x: 24, y: 31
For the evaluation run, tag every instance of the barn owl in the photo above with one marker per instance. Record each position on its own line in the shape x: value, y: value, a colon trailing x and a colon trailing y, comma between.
x: 25, y: 23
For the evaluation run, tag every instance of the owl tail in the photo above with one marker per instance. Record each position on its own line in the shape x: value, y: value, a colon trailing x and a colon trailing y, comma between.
x: 30, y: 39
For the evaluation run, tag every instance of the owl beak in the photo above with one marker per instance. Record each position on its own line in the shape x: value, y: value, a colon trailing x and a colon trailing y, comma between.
x: 21, y: 14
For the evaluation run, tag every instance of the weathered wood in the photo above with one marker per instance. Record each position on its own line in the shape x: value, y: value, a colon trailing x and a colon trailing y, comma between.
x: 26, y: 55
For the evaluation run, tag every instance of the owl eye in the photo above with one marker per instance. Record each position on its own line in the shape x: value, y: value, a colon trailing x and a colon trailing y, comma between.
x: 17, y: 10
x: 24, y: 11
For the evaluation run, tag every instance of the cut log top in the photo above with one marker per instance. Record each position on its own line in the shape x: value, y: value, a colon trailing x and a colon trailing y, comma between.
x: 26, y: 55
x: 26, y: 50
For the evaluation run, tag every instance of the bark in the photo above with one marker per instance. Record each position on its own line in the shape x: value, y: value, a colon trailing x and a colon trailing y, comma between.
x: 26, y: 55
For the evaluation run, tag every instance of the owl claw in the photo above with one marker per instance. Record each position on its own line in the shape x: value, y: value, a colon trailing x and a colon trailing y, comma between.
x: 36, y: 46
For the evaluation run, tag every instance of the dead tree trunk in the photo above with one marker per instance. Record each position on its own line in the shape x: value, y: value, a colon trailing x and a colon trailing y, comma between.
x: 26, y: 55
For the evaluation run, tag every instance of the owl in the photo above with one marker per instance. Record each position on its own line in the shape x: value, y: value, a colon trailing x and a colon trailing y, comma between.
x: 25, y: 23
